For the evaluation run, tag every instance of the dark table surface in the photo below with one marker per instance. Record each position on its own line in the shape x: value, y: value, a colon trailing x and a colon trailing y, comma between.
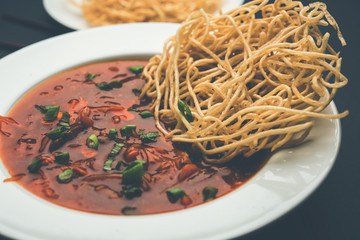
x: 332, y: 212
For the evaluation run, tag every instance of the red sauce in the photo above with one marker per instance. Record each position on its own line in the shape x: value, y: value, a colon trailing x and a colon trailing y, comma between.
x: 92, y: 189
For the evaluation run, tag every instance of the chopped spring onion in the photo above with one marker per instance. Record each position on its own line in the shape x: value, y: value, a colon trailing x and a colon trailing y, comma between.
x: 133, y: 172
x: 90, y: 76
x: 62, y: 158
x: 134, y: 108
x: 146, y: 114
x: 111, y: 157
x: 209, y: 193
x: 136, y: 91
x: 57, y: 133
x: 35, y: 166
x: 136, y: 69
x: 112, y: 134
x: 118, y: 165
x: 65, y: 176
x: 130, y: 211
x: 132, y: 192
x: 104, y: 86
x: 127, y: 130
x: 43, y: 108
x: 65, y: 119
x: 116, y: 84
x: 92, y: 142
x: 149, y: 137
x: 174, y: 194
x: 52, y: 113
x: 185, y: 111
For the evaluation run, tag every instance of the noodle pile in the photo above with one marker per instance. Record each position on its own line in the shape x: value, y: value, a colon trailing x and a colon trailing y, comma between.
x: 106, y: 12
x: 254, y: 78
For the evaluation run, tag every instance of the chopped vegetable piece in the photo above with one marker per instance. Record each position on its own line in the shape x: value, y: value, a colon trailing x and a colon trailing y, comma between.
x: 43, y: 108
x: 35, y: 166
x: 92, y: 142
x: 118, y: 165
x: 136, y: 91
x: 133, y: 172
x: 112, y: 134
x: 136, y: 69
x: 116, y: 84
x: 185, y: 111
x: 52, y: 113
x: 65, y: 119
x: 209, y: 193
x: 111, y: 157
x: 134, y: 108
x: 104, y: 86
x: 62, y: 158
x: 132, y: 192
x: 149, y: 137
x: 90, y: 76
x: 65, y: 176
x: 127, y: 130
x: 141, y: 132
x: 174, y: 194
x: 146, y: 114
x: 57, y: 133
x: 130, y: 211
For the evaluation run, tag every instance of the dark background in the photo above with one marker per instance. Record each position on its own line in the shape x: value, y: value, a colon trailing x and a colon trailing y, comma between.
x: 332, y: 212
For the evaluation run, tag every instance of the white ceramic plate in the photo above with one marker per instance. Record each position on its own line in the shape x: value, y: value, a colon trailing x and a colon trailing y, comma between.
x: 289, y: 177
x: 70, y: 16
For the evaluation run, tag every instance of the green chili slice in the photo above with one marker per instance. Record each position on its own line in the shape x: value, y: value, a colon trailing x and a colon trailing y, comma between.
x: 209, y: 193
x: 62, y: 158
x: 65, y: 176
x: 174, y: 194
x: 104, y: 86
x: 149, y: 137
x: 111, y: 157
x: 128, y: 130
x: 65, y: 119
x: 185, y: 111
x: 136, y: 69
x: 92, y: 142
x: 132, y: 192
x: 133, y: 172
x: 113, y: 135
x: 57, y: 133
x: 90, y: 76
x: 52, y: 113
x: 134, y: 108
x: 35, y: 166
x: 146, y: 114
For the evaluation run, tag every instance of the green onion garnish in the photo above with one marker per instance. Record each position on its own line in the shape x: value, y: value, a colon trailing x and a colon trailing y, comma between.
x: 133, y: 172
x: 174, y: 194
x: 118, y: 165
x: 149, y: 137
x: 111, y: 157
x: 43, y: 108
x: 136, y: 69
x: 104, y: 86
x: 146, y: 114
x: 35, y: 166
x: 57, y: 133
x: 136, y: 91
x: 134, y: 108
x: 132, y: 192
x: 130, y: 211
x: 92, y: 142
x: 209, y: 193
x: 90, y: 76
x: 116, y: 84
x: 113, y: 135
x: 65, y: 119
x: 52, y: 113
x: 185, y: 111
x: 127, y: 130
x: 65, y: 176
x: 62, y: 158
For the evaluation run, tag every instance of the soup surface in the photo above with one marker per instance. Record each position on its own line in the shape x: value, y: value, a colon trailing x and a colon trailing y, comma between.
x: 83, y: 140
